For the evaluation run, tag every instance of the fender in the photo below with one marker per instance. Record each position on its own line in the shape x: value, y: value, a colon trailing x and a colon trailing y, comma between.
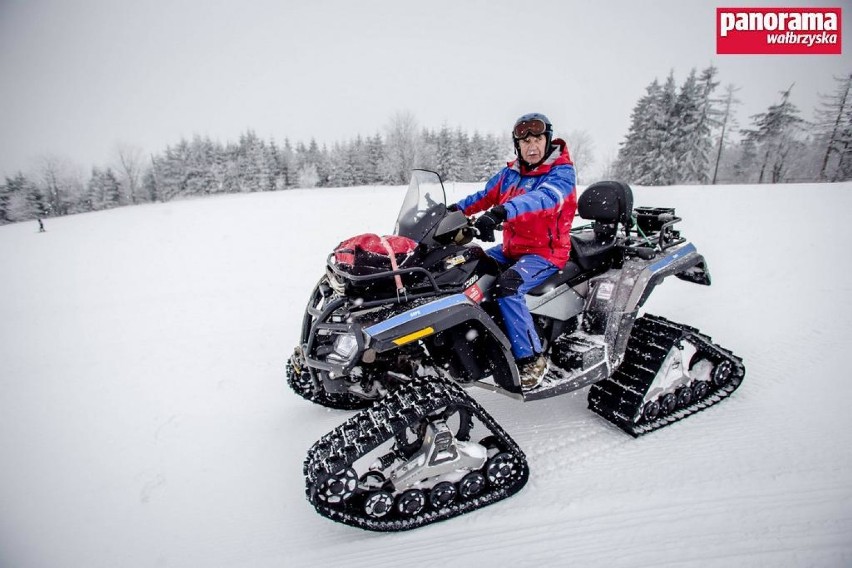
x: 684, y: 262
x: 428, y: 319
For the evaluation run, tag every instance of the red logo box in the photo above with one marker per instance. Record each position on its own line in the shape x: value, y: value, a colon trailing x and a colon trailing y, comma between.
x: 778, y: 31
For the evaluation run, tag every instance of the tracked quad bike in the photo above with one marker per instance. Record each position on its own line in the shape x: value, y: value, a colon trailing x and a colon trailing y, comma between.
x: 399, y: 341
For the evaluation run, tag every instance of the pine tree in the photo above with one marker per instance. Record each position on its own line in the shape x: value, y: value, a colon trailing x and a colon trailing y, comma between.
x: 662, y: 163
x: 446, y: 155
x: 93, y: 198
x: 696, y: 120
x: 462, y: 163
x: 375, y: 151
x: 646, y: 156
x: 498, y: 151
x: 172, y: 172
x: 358, y: 159
x: 288, y: 165
x: 23, y: 200
x: 149, y: 184
x: 631, y: 163
x: 478, y: 157
x: 111, y: 189
x: 401, y: 148
x: 5, y: 195
x: 834, y: 124
x: 774, y: 137
x: 340, y: 170
x: 272, y: 157
x: 427, y: 151
x: 728, y: 120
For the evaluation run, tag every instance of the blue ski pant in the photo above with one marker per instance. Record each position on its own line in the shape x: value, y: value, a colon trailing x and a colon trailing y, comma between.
x: 519, y: 277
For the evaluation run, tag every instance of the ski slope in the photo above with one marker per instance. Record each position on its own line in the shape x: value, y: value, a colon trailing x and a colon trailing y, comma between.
x: 145, y: 419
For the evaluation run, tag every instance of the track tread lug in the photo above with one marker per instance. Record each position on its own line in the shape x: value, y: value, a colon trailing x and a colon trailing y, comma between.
x: 399, y: 410
x: 619, y: 398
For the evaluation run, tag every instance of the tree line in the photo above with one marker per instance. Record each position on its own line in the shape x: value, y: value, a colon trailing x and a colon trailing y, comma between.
x: 678, y: 134
x: 689, y: 134
x: 201, y: 166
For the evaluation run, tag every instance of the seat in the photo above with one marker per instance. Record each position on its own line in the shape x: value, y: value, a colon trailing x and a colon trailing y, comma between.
x: 606, y: 204
x: 568, y: 275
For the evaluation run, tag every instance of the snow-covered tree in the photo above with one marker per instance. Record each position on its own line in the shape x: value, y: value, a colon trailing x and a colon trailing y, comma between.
x: 642, y: 157
x: 288, y: 165
x: 670, y: 137
x: 696, y: 116
x: 774, y: 137
x: 111, y: 189
x: 5, y: 198
x: 308, y: 176
x: 21, y: 200
x: 727, y: 122
x: 103, y: 190
x: 401, y: 149
x: 834, y: 125
x: 61, y: 183
x: 427, y: 151
x: 375, y: 150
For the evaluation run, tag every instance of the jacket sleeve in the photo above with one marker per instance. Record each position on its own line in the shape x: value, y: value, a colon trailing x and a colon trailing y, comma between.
x: 556, y: 188
x: 486, y: 198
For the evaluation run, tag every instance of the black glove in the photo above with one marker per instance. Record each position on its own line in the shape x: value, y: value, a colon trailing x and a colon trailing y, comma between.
x: 452, y: 207
x: 488, y: 221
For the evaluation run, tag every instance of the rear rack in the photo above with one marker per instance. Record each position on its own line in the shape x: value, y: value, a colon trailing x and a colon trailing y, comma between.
x: 651, y: 221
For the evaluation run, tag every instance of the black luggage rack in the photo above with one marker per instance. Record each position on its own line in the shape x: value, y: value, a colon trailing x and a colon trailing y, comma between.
x: 426, y: 287
x: 658, y: 222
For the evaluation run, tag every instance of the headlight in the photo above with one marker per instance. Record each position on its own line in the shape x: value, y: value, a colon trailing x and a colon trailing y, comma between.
x: 344, y: 347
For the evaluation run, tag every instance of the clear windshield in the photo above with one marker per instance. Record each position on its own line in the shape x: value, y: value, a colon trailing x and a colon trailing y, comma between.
x: 423, y: 207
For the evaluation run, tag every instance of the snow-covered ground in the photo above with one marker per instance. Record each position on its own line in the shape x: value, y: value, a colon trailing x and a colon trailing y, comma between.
x: 145, y: 420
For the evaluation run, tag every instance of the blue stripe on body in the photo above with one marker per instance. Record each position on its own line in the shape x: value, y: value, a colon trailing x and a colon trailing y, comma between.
x: 417, y: 312
x: 667, y: 260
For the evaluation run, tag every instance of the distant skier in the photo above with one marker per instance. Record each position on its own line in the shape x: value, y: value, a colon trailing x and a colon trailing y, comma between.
x: 41, y: 228
x: 535, y: 199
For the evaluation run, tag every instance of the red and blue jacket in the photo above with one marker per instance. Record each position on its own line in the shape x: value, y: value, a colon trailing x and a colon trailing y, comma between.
x: 540, y: 204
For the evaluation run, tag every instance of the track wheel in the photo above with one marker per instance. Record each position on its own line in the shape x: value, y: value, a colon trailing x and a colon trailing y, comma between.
x: 411, y: 502
x: 722, y: 373
x: 700, y: 390
x: 684, y: 396
x: 668, y: 403
x: 338, y: 487
x: 651, y: 410
x: 500, y: 469
x: 471, y: 484
x: 442, y: 495
x: 378, y: 504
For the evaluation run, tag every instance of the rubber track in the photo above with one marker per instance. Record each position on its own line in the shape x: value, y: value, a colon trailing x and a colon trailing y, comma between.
x: 619, y: 398
x: 302, y: 384
x: 388, y: 417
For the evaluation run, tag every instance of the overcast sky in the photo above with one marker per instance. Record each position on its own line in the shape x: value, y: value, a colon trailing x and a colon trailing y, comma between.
x: 77, y: 78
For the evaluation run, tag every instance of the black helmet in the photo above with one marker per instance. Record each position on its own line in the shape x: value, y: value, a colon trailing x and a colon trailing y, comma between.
x: 536, y: 124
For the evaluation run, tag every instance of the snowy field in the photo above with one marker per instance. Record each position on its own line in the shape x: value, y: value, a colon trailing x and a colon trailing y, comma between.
x: 145, y: 420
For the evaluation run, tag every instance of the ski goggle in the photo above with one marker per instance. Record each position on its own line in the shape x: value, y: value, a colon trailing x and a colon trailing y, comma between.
x: 534, y: 127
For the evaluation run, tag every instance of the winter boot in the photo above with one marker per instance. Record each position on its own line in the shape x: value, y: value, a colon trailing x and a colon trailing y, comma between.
x: 532, y: 371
